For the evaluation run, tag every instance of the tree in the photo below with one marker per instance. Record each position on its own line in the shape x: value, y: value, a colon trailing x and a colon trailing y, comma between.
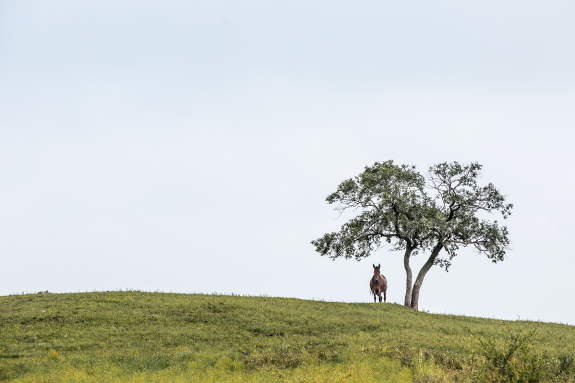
x: 395, y: 205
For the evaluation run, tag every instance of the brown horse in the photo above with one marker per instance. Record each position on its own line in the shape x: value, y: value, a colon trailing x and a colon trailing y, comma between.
x: 378, y: 284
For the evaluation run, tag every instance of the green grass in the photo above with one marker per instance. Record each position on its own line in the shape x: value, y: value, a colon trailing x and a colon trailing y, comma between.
x: 136, y: 336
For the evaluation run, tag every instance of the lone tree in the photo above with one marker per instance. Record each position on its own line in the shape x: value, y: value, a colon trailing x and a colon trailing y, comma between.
x: 395, y: 204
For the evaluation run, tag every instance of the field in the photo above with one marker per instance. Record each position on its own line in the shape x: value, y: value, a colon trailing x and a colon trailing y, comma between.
x: 132, y: 336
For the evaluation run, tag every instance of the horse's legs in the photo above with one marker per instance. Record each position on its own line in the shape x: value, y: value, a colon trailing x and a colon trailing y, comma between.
x: 384, y: 296
x: 374, y: 297
x: 379, y: 297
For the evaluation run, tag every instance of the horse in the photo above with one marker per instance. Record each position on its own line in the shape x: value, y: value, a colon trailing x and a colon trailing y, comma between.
x: 378, y: 284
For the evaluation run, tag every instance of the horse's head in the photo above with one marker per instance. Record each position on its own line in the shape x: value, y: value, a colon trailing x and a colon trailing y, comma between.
x: 376, y: 273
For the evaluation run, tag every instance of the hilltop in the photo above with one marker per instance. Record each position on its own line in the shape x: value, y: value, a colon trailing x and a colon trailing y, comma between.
x: 134, y: 336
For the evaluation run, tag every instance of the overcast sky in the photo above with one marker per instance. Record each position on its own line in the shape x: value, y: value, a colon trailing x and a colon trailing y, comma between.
x: 189, y: 146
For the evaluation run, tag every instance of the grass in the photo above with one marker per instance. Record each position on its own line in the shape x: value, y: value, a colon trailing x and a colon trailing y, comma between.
x: 136, y: 336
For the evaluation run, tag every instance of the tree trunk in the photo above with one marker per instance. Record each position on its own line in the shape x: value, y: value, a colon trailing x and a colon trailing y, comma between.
x: 409, y: 277
x: 421, y: 275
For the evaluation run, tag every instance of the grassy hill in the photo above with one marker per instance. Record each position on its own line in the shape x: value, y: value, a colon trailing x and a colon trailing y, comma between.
x: 136, y: 336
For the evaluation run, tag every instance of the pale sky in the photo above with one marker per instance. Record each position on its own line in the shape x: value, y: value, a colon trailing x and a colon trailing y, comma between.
x: 177, y: 147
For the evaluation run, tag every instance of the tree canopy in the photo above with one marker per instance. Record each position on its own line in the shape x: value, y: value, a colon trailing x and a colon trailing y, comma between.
x: 397, y: 206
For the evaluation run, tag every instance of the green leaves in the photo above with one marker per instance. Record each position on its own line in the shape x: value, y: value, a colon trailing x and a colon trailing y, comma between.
x: 392, y: 205
x: 458, y: 200
x: 398, y: 205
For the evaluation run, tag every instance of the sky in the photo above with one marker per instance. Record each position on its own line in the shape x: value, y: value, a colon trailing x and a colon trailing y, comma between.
x: 189, y: 146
